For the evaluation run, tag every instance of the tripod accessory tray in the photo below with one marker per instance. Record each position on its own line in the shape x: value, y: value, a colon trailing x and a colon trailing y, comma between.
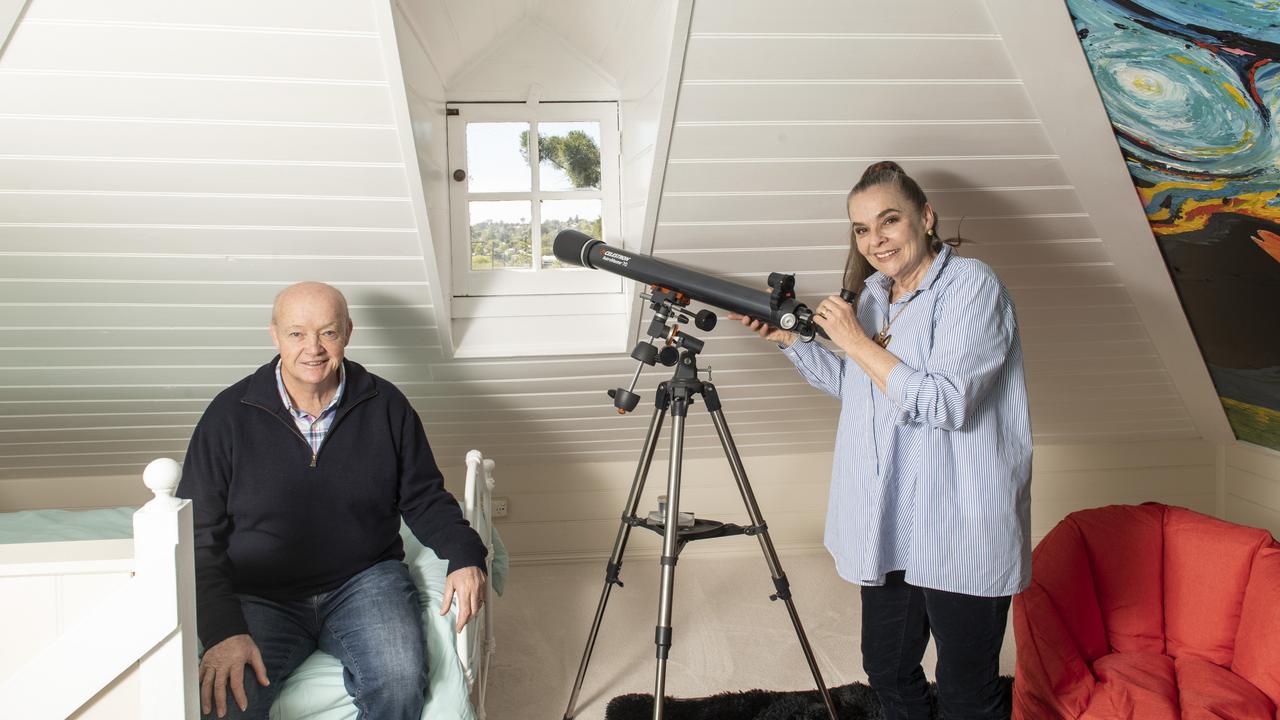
x: 703, y: 529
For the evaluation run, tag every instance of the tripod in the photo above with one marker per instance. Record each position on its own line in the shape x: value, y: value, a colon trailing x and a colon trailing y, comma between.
x: 676, y: 395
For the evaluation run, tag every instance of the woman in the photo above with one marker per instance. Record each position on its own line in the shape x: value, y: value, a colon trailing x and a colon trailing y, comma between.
x: 930, y: 507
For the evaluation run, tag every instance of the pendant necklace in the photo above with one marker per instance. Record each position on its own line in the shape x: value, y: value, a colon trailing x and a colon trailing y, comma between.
x: 883, y: 337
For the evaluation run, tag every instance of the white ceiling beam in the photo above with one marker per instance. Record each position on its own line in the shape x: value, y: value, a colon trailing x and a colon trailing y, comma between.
x: 1041, y: 39
x: 662, y: 150
x: 384, y: 16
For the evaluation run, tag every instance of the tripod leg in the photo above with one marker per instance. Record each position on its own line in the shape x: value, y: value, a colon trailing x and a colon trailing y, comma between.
x: 619, y: 546
x: 766, y: 545
x: 670, y: 551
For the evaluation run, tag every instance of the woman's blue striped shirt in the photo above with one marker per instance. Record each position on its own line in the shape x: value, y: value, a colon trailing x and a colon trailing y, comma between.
x: 933, y: 478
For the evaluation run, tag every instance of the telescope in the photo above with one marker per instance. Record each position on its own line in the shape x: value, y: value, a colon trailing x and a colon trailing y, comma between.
x: 671, y: 288
x: 778, y: 307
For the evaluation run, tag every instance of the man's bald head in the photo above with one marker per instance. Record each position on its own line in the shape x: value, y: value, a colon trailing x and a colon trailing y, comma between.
x: 311, y: 327
x: 310, y: 293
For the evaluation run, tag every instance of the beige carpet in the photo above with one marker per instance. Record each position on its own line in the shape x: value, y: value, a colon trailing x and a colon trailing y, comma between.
x: 727, y: 634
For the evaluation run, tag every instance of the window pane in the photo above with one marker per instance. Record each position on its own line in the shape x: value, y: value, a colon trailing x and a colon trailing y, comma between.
x: 500, y: 235
x: 570, y: 155
x: 498, y: 157
x: 557, y: 215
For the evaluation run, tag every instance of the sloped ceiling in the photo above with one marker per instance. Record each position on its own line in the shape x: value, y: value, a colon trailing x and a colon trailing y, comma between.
x: 460, y: 34
x: 163, y: 172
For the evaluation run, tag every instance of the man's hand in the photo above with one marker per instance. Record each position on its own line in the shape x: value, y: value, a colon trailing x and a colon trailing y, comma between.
x: 225, y: 663
x: 468, y: 584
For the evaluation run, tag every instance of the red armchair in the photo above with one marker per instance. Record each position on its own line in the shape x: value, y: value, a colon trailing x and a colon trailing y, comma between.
x: 1149, y: 612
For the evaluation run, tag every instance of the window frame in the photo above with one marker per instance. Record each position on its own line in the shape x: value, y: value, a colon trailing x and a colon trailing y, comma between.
x: 535, y: 280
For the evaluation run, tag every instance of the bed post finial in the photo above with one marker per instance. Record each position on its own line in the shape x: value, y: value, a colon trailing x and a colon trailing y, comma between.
x: 161, y: 477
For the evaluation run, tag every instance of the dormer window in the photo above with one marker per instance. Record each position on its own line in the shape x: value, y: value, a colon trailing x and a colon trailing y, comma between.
x: 521, y: 173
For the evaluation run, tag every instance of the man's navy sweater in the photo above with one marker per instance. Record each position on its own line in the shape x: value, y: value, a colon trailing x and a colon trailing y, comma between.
x: 275, y: 520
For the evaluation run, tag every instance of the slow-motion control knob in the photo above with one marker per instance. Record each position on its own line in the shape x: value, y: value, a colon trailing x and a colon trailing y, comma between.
x: 624, y: 400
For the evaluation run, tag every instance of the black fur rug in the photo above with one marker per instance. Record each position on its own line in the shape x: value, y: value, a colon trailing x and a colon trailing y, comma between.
x: 855, y: 701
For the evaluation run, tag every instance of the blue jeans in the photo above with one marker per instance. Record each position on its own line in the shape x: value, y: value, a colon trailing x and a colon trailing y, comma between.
x: 968, y: 631
x: 370, y: 623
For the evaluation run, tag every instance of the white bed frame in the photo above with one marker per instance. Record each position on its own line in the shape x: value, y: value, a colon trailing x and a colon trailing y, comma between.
x: 476, y: 643
x: 107, y: 621
x: 107, y: 628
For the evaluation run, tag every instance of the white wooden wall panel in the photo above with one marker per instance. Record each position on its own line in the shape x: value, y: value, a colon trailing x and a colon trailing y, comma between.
x: 149, y: 239
x: 186, y: 268
x: 164, y: 170
x: 795, y: 140
x: 167, y: 292
x: 1253, y: 486
x: 242, y: 360
x: 839, y: 175
x: 822, y: 16
x: 188, y: 340
x: 1060, y: 296
x: 212, y: 376
x: 213, y: 99
x: 101, y: 435
x: 812, y: 101
x: 240, y: 52
x: 195, y: 140
x: 832, y: 57
x: 40, y: 318
x: 116, y: 208
x: 165, y: 447
x: 299, y: 179
x: 1041, y: 38
x: 303, y: 15
x: 1047, y: 367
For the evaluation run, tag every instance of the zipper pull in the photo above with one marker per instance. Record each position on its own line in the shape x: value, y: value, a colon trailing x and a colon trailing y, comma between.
x: 313, y: 459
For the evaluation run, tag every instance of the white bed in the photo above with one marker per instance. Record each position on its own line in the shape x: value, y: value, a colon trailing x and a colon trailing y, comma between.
x: 97, y: 612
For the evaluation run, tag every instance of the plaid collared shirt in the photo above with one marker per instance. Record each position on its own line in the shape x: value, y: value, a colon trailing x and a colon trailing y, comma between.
x: 313, y: 428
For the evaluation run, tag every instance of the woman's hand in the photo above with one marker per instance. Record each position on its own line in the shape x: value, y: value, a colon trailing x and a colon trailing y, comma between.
x: 836, y: 318
x: 764, y: 330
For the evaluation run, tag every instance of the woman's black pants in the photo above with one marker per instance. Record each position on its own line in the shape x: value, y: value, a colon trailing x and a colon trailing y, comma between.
x: 968, y: 631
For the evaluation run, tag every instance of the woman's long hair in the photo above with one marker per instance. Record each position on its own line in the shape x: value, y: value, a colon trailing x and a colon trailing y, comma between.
x: 887, y: 172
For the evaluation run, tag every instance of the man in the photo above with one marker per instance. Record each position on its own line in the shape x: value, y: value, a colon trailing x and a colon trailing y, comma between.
x: 300, y: 474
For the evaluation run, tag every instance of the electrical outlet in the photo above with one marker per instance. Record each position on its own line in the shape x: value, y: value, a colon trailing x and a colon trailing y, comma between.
x: 499, y: 507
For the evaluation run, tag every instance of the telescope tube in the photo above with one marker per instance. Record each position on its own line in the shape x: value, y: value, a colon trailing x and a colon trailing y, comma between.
x: 579, y: 249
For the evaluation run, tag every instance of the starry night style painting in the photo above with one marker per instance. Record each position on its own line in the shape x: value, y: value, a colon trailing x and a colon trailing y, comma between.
x: 1192, y: 89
